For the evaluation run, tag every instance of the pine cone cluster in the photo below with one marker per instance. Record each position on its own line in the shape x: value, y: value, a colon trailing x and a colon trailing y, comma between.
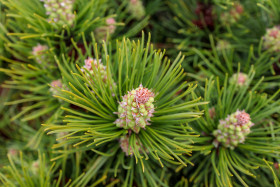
x: 136, y: 109
x: 60, y: 11
x: 233, y: 130
x: 271, y: 39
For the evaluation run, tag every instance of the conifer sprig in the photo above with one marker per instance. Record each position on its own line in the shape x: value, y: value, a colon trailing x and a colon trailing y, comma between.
x: 92, y: 126
x: 35, y: 81
x: 261, y: 144
x: 24, y: 173
x: 222, y: 62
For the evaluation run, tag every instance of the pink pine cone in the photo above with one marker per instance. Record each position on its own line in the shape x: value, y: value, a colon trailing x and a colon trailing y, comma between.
x: 232, y: 16
x: 54, y: 85
x: 110, y: 27
x: 39, y: 52
x: 212, y: 112
x: 124, y: 144
x: 60, y: 11
x: 136, y: 109
x: 241, y: 79
x: 136, y: 8
x: 233, y: 130
x: 91, y: 63
x: 271, y: 40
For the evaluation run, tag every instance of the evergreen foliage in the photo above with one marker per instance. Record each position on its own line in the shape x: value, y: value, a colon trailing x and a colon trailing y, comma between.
x: 139, y: 93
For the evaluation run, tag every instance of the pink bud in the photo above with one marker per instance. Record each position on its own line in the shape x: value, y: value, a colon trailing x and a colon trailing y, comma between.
x: 274, y: 33
x: 212, y: 112
x: 143, y: 95
x: 242, y: 79
x: 243, y: 118
x: 13, y: 152
x: 239, y: 8
x: 110, y: 21
x: 276, y: 165
x: 56, y: 83
x: 134, y: 1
